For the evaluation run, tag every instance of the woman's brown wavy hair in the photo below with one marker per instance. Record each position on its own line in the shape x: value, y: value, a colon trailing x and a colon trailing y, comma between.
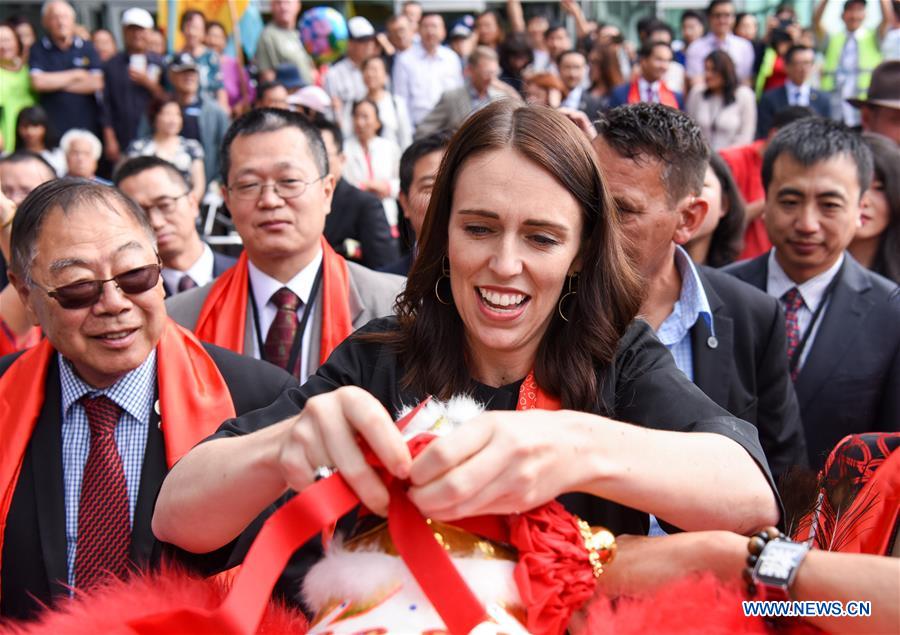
x: 431, y: 341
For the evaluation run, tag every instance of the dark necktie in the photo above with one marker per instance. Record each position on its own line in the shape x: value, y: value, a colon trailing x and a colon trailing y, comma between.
x: 186, y: 283
x: 793, y: 301
x: 104, y: 530
x: 277, y: 348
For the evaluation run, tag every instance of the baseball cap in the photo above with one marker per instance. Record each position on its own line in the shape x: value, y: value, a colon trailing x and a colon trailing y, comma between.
x: 137, y: 17
x: 360, y: 28
x: 183, y: 62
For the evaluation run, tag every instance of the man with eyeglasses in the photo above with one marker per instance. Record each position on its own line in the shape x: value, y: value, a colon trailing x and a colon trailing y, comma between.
x: 93, y: 417
x: 165, y: 195
x: 721, y: 17
x: 290, y: 299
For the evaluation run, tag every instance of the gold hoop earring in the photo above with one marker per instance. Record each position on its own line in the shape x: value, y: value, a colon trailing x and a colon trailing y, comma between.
x: 571, y: 291
x: 445, y: 273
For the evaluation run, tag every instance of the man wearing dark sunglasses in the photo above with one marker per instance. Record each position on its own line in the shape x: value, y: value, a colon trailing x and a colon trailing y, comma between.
x: 92, y: 418
x: 165, y: 195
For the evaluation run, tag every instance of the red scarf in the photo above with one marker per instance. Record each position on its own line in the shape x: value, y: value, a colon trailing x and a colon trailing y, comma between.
x: 223, y: 317
x: 666, y: 96
x: 193, y: 399
x: 320, y: 505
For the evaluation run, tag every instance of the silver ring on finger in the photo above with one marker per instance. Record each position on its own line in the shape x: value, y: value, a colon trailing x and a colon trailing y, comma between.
x: 322, y: 472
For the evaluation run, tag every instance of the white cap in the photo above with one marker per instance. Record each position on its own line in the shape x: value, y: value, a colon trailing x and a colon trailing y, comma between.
x: 311, y: 97
x: 137, y: 17
x: 360, y: 28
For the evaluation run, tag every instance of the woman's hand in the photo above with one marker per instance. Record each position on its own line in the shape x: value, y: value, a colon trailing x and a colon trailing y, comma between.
x: 324, y: 434
x: 500, y: 462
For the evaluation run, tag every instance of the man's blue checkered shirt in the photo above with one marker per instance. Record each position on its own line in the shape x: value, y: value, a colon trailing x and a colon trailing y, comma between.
x: 134, y: 394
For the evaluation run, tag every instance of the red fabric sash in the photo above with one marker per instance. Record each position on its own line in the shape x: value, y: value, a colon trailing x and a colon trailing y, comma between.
x: 318, y: 507
x: 223, y: 317
x: 666, y: 96
x: 193, y: 398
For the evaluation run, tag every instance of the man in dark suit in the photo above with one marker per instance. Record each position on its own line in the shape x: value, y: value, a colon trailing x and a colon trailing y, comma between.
x: 654, y: 60
x: 842, y: 330
x: 726, y: 337
x: 165, y: 195
x: 94, y: 416
x: 573, y: 68
x: 356, y: 227
x: 798, y: 61
x: 418, y: 170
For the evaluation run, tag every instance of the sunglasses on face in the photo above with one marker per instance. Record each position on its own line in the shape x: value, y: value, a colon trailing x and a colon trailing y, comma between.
x: 84, y: 294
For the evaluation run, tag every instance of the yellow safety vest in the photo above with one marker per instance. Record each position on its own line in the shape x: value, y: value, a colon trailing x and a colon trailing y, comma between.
x: 868, y: 58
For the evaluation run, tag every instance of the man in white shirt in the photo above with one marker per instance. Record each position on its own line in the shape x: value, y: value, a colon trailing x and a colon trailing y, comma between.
x: 721, y: 15
x: 165, y: 195
x: 841, y: 321
x: 423, y: 73
x: 344, y: 81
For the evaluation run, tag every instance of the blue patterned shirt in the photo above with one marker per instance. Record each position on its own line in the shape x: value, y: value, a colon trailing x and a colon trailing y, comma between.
x: 134, y: 394
x: 692, y: 304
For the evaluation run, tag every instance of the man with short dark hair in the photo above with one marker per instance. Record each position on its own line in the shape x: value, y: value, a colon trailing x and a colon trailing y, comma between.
x: 356, y: 227
x: 649, y: 86
x: 272, y: 95
x: 455, y: 105
x: 290, y: 299
x: 797, y: 90
x: 726, y: 337
x: 418, y: 170
x: 721, y: 16
x: 843, y: 340
x: 66, y: 71
x: 95, y: 415
x: 165, y: 195
x: 573, y: 70
x: 423, y: 73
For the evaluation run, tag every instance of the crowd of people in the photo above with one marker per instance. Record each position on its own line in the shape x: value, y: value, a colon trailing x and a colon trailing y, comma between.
x: 687, y: 245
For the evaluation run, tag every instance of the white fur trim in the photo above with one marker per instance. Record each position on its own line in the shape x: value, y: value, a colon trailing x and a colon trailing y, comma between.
x: 456, y: 412
x: 357, y: 576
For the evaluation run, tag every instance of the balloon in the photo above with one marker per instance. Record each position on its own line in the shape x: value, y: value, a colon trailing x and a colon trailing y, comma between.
x: 323, y: 32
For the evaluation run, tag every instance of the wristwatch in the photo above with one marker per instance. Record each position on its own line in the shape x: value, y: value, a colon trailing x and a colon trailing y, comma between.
x: 776, y: 567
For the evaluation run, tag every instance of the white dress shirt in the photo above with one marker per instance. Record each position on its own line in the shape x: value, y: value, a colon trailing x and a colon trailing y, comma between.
x: 264, y: 287
x: 797, y: 95
x: 201, y: 272
x: 421, y: 78
x: 813, y: 293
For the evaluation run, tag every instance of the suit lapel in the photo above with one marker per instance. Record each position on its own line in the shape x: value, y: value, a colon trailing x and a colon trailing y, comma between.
x: 712, y: 358
x: 153, y: 471
x: 48, y: 480
x: 842, y: 318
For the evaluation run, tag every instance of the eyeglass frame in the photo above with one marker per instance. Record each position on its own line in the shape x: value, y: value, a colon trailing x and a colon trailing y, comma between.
x: 54, y: 291
x: 150, y: 208
x: 274, y: 186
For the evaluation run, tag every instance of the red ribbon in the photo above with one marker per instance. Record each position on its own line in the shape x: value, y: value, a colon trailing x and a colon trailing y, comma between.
x: 313, y: 510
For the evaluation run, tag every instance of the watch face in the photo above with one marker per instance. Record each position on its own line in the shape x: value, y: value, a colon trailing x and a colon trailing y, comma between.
x: 777, y: 562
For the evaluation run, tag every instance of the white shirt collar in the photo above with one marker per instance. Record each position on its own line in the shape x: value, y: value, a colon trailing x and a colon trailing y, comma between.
x: 792, y: 87
x: 812, y: 291
x: 201, y: 272
x: 264, y: 286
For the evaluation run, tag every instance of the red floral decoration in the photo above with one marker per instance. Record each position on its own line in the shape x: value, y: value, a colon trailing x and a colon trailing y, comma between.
x: 554, y: 574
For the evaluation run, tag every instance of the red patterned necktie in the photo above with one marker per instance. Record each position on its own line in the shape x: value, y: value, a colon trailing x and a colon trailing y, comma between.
x: 792, y: 303
x: 277, y: 348
x: 104, y: 529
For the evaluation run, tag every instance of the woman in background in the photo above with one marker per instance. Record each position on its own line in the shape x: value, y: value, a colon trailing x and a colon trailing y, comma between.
x: 35, y: 133
x: 544, y: 89
x: 396, y: 125
x: 724, y: 108
x: 167, y: 143
x: 15, y: 86
x: 239, y: 98
x: 719, y: 239
x: 373, y: 162
x: 876, y: 244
